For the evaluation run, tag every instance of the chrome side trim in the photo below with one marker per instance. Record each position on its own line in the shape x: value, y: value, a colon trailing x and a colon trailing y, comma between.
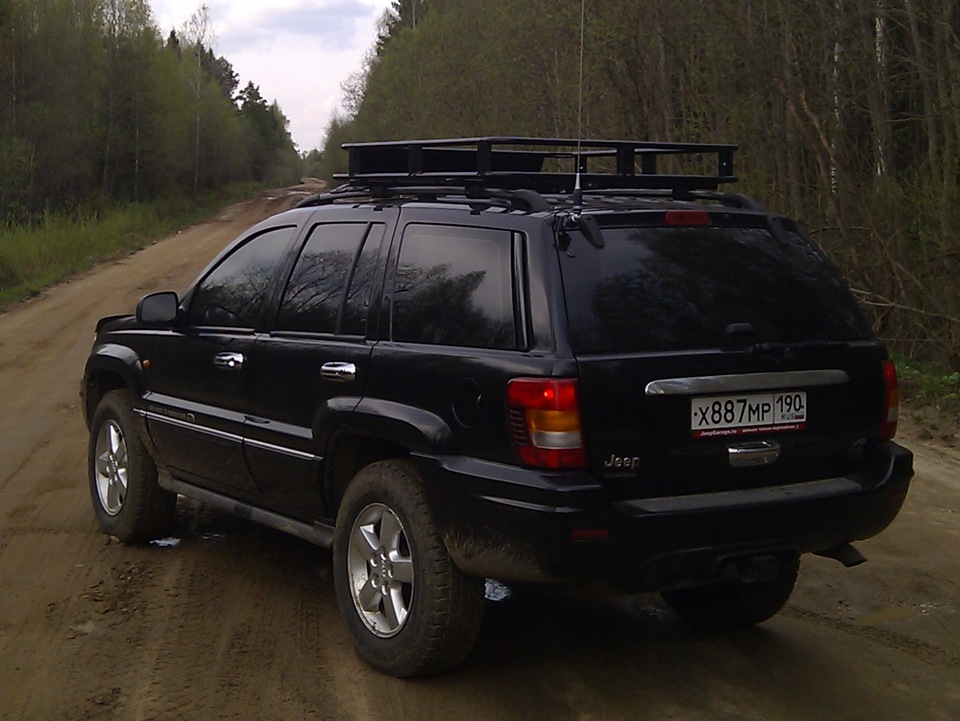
x: 232, y: 437
x: 299, y: 455
x: 194, y: 427
x: 745, y: 382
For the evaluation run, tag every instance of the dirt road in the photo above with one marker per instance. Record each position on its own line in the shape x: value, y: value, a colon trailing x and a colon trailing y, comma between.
x: 232, y: 621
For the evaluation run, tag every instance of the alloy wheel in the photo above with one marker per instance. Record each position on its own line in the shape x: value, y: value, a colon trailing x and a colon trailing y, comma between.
x: 111, y: 467
x: 380, y: 568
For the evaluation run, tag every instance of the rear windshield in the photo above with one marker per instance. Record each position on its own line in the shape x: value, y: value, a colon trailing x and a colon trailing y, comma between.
x: 665, y: 289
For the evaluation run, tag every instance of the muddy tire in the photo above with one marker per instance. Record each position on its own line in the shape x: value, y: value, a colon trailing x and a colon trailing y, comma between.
x: 127, y: 500
x: 409, y: 609
x: 737, y: 604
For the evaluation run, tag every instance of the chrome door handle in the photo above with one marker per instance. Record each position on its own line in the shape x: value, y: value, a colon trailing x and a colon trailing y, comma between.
x: 228, y: 361
x: 754, y: 453
x: 339, y: 371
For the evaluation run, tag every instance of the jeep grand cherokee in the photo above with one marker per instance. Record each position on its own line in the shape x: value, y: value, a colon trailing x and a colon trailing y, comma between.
x: 522, y: 359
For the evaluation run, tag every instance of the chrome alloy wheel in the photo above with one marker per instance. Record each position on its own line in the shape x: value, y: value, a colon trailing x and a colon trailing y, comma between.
x: 111, y: 467
x: 380, y: 568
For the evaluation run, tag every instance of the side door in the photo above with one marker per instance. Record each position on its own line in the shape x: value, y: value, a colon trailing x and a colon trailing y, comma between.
x: 197, y: 375
x: 309, y: 372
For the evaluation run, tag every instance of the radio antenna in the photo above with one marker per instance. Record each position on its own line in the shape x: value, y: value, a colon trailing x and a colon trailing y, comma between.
x: 577, y: 191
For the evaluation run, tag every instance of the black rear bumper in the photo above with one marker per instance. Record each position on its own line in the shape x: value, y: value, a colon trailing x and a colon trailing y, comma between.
x: 520, y: 525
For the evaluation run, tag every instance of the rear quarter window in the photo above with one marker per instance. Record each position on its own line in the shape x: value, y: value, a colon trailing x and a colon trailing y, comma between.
x: 454, y: 286
x: 666, y: 289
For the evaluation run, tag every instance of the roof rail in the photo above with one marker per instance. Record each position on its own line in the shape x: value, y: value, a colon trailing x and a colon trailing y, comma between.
x: 520, y: 199
x: 546, y: 165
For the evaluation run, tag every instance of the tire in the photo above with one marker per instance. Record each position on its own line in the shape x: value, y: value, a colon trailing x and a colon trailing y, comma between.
x: 409, y: 609
x: 735, y: 604
x: 127, y: 500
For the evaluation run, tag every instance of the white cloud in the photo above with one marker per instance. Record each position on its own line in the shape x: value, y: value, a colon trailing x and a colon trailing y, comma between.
x: 332, y: 26
x: 298, y: 51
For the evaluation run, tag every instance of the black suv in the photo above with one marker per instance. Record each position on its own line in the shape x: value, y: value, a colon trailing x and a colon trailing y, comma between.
x: 532, y: 360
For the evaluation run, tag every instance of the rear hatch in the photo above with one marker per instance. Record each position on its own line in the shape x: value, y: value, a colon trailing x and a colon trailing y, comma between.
x: 717, y: 352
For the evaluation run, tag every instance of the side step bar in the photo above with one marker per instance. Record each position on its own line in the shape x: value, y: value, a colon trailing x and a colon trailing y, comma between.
x: 317, y: 533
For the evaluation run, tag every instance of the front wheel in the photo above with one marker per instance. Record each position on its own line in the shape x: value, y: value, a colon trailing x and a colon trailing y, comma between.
x: 735, y: 604
x: 409, y: 609
x: 127, y: 500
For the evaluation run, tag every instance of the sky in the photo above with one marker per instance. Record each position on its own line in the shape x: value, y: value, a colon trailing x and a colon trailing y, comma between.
x: 297, y: 51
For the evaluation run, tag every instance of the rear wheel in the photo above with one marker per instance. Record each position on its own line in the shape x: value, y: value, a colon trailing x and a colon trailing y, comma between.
x: 127, y: 500
x: 735, y: 604
x: 408, y: 607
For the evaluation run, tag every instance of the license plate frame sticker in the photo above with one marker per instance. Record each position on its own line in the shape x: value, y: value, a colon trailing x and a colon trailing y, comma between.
x: 748, y: 413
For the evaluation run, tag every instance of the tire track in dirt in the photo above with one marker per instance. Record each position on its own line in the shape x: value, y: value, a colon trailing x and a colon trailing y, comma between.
x: 921, y: 650
x: 244, y: 629
x: 74, y: 610
x: 173, y: 653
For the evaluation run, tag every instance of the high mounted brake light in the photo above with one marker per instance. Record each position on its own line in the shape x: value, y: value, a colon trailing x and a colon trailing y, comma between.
x: 545, y: 422
x: 687, y: 218
x: 891, y: 401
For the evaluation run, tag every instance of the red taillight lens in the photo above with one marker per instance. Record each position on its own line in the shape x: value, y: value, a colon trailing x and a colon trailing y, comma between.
x: 891, y: 401
x: 545, y: 422
x: 684, y: 218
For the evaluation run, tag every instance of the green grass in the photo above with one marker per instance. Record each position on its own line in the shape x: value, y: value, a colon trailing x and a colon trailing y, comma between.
x: 932, y: 391
x: 60, y: 245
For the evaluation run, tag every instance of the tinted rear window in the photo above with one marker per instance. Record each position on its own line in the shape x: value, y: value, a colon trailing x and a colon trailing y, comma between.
x: 665, y: 289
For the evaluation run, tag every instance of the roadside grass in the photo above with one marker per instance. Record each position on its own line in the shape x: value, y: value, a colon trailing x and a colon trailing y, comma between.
x: 59, y: 245
x: 931, y: 391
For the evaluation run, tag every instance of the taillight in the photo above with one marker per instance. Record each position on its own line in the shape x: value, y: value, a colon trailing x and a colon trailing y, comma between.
x: 891, y: 401
x: 684, y: 218
x: 545, y: 422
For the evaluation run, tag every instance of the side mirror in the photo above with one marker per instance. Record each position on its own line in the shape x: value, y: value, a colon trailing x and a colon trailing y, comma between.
x: 158, y: 308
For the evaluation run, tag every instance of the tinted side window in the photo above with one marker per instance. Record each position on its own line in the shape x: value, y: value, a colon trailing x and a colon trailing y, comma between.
x: 454, y: 286
x: 359, y: 293
x: 232, y: 294
x: 315, y: 292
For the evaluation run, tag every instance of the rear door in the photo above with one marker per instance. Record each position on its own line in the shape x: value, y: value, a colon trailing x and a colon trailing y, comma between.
x: 309, y: 372
x: 455, y: 334
x: 717, y: 357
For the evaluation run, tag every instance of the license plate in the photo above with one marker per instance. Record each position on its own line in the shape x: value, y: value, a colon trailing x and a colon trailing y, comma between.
x: 748, y: 413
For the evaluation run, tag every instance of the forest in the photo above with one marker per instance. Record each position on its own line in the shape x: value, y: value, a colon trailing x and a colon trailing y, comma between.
x: 97, y: 107
x: 847, y: 114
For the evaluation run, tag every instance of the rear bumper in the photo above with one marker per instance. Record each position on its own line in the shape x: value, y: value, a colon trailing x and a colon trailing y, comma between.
x: 521, y: 525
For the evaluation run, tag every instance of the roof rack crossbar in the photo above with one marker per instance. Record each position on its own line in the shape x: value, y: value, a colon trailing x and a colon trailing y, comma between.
x: 626, y: 161
x: 416, y: 159
x: 532, y: 163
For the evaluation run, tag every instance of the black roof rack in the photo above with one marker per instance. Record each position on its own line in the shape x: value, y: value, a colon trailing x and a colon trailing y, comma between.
x: 519, y: 163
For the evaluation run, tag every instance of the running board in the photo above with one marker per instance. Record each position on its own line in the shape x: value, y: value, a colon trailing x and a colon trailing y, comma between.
x: 317, y: 533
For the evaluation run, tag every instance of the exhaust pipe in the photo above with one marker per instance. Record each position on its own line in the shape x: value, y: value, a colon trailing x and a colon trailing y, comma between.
x: 845, y: 553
